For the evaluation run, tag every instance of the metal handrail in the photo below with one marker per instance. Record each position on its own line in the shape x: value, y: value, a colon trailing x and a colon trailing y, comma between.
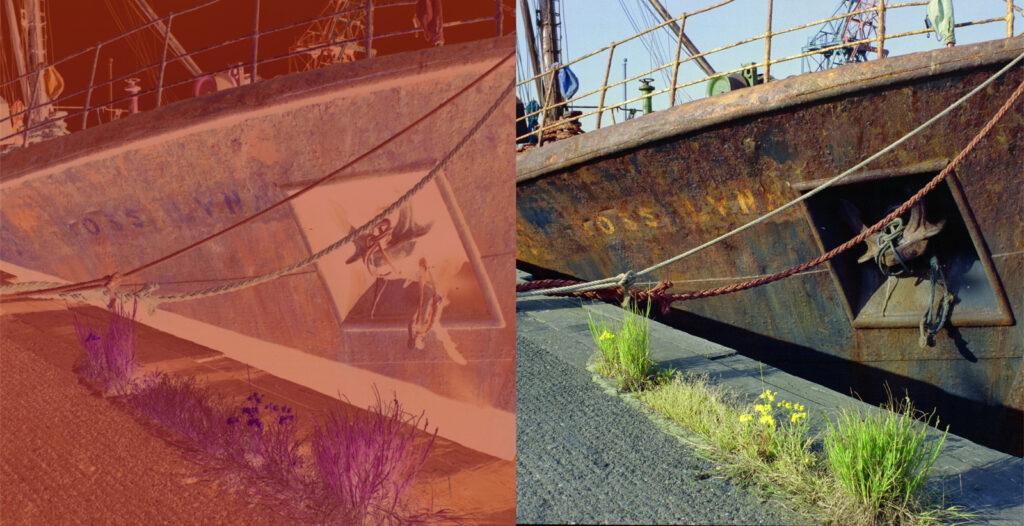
x: 879, y: 39
x: 252, y: 61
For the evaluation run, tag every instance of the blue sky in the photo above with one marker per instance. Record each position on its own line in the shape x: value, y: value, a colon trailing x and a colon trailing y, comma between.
x: 593, y: 24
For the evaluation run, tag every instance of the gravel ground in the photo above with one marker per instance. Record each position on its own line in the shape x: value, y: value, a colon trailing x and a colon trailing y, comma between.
x: 587, y: 457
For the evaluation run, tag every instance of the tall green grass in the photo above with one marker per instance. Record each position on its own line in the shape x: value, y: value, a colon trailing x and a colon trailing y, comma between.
x: 624, y: 354
x: 882, y: 459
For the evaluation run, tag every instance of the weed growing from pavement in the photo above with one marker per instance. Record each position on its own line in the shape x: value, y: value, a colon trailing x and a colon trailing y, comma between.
x: 765, y: 442
x: 872, y: 469
x: 367, y: 460
x: 110, y: 354
x: 186, y: 408
x: 361, y: 464
x: 626, y: 353
x: 882, y: 460
x: 867, y: 470
x: 268, y: 438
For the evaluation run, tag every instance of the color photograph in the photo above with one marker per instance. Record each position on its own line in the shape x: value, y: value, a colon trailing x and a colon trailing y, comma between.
x: 769, y: 257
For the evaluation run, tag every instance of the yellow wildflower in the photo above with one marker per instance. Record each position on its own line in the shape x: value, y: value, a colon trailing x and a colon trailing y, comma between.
x: 606, y: 336
x: 746, y: 418
x: 768, y: 421
x: 797, y: 417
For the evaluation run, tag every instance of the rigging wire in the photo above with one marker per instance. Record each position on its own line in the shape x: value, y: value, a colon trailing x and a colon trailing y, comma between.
x: 564, y: 38
x: 138, y: 41
x: 658, y: 55
x: 525, y: 91
x: 636, y: 28
x: 651, y: 18
x: 524, y: 68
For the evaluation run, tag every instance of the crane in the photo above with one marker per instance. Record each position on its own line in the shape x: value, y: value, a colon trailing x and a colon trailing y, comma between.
x: 348, y: 25
x: 854, y: 27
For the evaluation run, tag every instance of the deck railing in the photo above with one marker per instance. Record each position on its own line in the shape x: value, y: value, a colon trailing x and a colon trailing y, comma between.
x: 31, y: 114
x: 549, y: 77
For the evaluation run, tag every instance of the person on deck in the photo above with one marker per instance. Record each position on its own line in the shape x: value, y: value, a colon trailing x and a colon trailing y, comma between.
x: 940, y: 16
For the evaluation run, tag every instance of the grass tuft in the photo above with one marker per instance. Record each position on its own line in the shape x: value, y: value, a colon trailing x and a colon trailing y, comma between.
x: 110, y: 355
x: 183, y: 406
x: 882, y: 460
x: 367, y: 460
x: 625, y: 354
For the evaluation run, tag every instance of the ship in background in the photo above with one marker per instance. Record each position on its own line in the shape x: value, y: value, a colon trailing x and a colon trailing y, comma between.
x: 932, y: 309
x: 188, y: 117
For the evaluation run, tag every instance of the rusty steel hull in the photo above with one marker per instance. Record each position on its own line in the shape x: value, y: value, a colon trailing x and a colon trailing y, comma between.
x: 118, y: 196
x: 637, y: 193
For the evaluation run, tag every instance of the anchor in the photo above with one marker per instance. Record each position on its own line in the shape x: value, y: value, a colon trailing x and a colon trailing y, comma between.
x: 385, y: 244
x: 899, y: 242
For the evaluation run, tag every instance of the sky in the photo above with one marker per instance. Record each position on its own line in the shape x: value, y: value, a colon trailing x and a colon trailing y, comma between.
x: 592, y: 24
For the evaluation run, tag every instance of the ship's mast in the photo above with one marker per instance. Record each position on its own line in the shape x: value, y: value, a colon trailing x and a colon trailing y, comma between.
x: 171, y: 41
x: 531, y: 42
x: 549, y: 49
x: 39, y: 99
x: 18, y: 47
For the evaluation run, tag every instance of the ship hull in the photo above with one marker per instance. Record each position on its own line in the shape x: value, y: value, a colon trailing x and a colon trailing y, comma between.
x: 626, y: 197
x: 115, y: 197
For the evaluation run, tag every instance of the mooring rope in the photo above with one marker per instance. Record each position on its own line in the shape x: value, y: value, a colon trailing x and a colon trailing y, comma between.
x: 112, y: 282
x: 563, y: 288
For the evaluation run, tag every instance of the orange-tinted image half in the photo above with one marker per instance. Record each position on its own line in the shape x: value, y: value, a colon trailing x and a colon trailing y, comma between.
x: 265, y: 245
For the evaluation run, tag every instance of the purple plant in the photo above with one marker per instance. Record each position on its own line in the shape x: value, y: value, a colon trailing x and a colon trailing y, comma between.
x: 110, y: 356
x: 269, y: 447
x: 186, y: 408
x: 361, y: 463
x: 366, y: 461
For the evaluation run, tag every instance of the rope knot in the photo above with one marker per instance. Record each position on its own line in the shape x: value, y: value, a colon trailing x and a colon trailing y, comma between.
x: 626, y: 280
x: 112, y: 286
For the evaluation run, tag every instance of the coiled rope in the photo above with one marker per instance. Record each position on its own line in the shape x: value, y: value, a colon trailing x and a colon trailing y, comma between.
x: 575, y: 288
x: 112, y: 283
